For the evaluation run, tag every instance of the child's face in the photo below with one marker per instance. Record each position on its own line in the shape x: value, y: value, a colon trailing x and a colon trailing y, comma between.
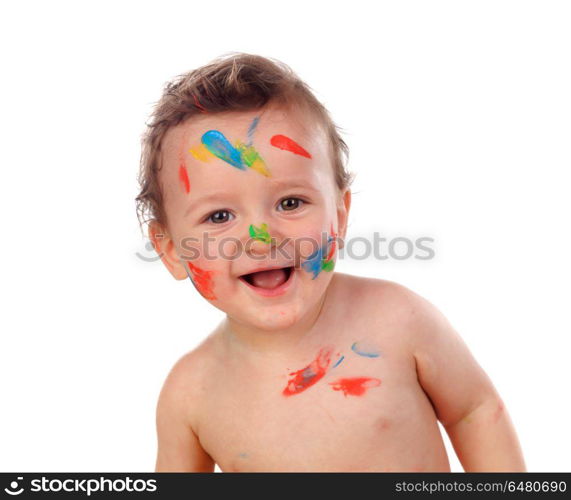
x: 232, y: 182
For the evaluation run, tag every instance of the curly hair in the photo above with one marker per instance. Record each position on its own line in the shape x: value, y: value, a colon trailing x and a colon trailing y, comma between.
x: 233, y: 82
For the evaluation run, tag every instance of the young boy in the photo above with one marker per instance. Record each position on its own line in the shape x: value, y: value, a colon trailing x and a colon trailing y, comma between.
x: 244, y: 181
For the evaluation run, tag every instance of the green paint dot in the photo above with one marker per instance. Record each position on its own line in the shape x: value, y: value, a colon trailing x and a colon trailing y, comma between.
x: 260, y: 234
x: 328, y: 265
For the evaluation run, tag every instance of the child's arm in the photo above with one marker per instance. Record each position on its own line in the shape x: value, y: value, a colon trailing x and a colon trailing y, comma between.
x: 179, y: 449
x: 463, y: 396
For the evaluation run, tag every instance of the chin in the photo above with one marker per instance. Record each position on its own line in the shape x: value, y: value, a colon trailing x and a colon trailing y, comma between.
x: 271, y: 319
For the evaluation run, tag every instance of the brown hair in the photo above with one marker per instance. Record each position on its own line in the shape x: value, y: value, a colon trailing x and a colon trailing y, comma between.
x: 234, y: 82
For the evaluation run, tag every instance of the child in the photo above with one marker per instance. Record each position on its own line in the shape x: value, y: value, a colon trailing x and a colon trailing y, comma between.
x: 243, y: 179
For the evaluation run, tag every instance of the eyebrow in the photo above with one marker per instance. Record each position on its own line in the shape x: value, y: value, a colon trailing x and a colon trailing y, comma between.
x: 203, y: 199
x: 275, y: 184
x: 291, y: 185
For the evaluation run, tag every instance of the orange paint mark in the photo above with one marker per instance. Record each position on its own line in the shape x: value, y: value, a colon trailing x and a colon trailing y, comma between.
x: 356, y: 386
x: 283, y: 142
x: 183, y: 177
x: 203, y: 281
x: 198, y: 105
x: 332, y: 249
x: 311, y: 374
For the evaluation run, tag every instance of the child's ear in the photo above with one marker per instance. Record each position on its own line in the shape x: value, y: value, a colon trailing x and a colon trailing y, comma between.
x: 343, y: 208
x: 166, y: 250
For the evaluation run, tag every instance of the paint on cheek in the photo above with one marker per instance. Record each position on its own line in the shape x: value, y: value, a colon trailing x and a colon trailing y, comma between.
x: 183, y: 177
x: 202, y: 280
x: 283, y: 142
x: 260, y: 233
x: 332, y: 240
x: 366, y: 349
x: 306, y: 377
x: 356, y: 386
x: 313, y: 263
x: 316, y: 262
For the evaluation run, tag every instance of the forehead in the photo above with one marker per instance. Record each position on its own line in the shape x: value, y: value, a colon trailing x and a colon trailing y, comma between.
x: 289, y: 143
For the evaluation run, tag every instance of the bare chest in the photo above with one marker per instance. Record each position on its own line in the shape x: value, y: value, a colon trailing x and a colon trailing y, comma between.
x: 340, y: 411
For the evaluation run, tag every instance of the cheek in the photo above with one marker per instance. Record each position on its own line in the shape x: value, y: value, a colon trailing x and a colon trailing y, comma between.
x: 204, y: 264
x: 226, y: 250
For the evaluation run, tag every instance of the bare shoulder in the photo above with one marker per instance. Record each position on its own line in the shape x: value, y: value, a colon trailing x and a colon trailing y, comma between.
x: 387, y: 302
x: 183, y: 389
x: 177, y: 414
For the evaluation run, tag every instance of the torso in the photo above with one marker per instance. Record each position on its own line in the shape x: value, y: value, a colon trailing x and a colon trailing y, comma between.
x: 246, y: 423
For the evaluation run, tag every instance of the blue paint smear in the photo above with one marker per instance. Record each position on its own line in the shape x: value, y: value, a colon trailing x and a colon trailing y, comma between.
x: 313, y: 262
x: 368, y: 351
x: 221, y: 147
x: 251, y: 130
x: 339, y: 361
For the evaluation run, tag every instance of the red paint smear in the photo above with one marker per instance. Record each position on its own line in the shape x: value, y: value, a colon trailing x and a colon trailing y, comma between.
x: 311, y: 374
x: 355, y: 386
x: 283, y: 142
x: 183, y: 176
x: 198, y: 105
x: 332, y: 249
x: 203, y: 281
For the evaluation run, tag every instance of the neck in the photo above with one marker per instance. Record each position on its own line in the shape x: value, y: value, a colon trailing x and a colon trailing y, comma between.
x: 276, y: 342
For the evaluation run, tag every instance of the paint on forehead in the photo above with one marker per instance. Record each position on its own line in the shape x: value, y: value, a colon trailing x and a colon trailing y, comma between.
x: 221, y: 147
x: 252, y: 129
x: 239, y: 155
x: 202, y: 280
x: 260, y: 233
x: 200, y: 153
x: 366, y: 349
x: 283, y: 142
x: 355, y: 386
x: 183, y: 178
x: 252, y: 158
x: 316, y: 262
x: 306, y: 377
x: 198, y: 105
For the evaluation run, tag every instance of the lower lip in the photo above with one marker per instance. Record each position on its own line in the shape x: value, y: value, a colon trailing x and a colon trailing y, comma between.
x: 272, y: 292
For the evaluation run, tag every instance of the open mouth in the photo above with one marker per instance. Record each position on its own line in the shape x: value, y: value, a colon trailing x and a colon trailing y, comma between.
x: 270, y: 279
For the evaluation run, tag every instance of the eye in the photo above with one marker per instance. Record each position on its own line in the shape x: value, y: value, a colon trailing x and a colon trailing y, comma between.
x: 289, y: 204
x: 219, y: 217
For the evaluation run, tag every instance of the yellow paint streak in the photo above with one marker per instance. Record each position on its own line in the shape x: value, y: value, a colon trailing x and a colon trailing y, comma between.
x: 200, y: 153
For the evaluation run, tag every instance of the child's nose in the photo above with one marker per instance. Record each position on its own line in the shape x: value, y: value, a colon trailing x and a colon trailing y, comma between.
x: 258, y: 248
x: 260, y: 238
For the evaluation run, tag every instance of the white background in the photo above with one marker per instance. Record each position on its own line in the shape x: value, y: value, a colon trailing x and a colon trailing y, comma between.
x: 457, y: 114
